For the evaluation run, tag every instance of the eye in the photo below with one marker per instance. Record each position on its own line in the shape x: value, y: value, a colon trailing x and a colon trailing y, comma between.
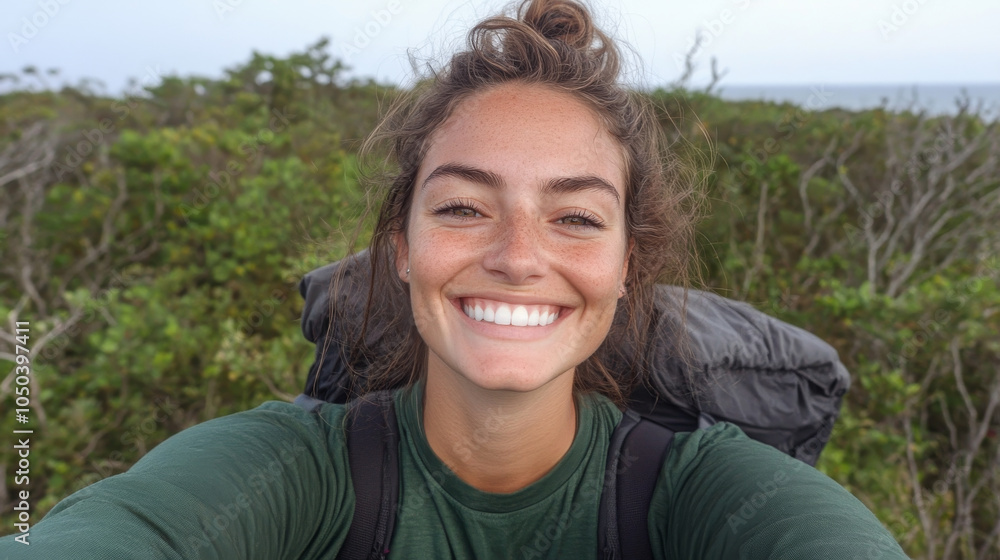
x: 462, y: 209
x: 582, y: 219
x: 462, y: 212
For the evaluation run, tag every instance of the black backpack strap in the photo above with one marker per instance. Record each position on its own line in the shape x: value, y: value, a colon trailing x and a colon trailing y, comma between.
x: 311, y: 404
x: 373, y: 453
x: 635, y: 456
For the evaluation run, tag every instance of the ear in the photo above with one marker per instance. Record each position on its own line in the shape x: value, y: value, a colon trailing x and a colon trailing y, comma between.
x: 402, y: 250
x: 628, y: 255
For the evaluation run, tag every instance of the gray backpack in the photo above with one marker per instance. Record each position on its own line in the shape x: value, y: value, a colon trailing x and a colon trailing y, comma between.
x: 780, y: 384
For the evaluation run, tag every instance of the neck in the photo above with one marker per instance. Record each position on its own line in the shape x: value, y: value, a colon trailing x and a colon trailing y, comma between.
x: 499, y: 441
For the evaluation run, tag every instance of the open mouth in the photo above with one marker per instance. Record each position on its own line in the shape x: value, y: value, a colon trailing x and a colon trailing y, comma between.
x: 502, y: 313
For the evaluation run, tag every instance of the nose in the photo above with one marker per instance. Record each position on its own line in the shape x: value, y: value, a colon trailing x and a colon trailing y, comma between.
x: 517, y: 252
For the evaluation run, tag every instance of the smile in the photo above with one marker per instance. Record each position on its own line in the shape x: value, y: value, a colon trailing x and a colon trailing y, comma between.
x: 503, y: 313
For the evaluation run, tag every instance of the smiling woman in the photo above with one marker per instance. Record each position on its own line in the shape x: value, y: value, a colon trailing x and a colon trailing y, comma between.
x: 531, y: 211
x: 532, y: 226
x: 534, y: 106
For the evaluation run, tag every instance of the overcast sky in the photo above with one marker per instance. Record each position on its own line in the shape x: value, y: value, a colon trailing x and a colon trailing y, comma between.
x: 758, y: 41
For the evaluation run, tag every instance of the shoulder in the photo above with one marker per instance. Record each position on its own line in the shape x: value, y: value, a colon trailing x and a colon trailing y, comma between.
x: 273, y: 430
x: 720, y: 442
x: 721, y: 494
x: 722, y: 462
x: 277, y: 416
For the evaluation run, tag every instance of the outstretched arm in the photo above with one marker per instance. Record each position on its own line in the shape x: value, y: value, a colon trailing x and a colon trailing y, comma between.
x: 722, y: 495
x: 269, y: 483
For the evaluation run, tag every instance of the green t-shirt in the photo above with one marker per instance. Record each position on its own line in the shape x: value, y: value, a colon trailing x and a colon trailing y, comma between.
x: 274, y: 483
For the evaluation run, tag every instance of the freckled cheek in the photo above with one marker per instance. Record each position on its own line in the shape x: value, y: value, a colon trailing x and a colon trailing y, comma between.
x: 439, y: 257
x: 444, y: 248
x: 595, y: 271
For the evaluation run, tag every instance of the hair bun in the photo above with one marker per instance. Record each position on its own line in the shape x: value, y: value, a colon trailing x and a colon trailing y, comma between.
x: 566, y: 21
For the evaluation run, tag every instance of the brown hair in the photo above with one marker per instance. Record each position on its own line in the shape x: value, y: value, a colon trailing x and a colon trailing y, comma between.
x: 553, y: 43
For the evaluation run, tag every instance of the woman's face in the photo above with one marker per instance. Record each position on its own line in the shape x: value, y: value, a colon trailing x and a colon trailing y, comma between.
x: 516, y: 243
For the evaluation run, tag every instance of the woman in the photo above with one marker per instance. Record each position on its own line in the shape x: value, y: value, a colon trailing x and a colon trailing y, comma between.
x: 530, y: 206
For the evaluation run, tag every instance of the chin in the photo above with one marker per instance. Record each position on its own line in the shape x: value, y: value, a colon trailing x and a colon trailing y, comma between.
x: 509, y: 373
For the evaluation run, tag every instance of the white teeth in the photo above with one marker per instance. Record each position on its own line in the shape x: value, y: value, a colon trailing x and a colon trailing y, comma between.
x: 533, y: 318
x: 502, y: 316
x: 519, y: 318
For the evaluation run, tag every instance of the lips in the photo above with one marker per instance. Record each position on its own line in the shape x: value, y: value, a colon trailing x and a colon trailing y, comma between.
x: 503, y: 313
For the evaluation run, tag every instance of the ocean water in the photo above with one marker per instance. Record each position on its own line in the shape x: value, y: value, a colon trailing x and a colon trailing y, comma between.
x: 936, y: 99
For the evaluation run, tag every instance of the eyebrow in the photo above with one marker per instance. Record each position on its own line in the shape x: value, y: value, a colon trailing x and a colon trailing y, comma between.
x: 581, y: 183
x: 554, y: 186
x: 471, y: 174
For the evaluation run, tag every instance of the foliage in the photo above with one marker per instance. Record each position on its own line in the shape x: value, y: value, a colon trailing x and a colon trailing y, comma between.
x: 155, y: 243
x: 879, y: 233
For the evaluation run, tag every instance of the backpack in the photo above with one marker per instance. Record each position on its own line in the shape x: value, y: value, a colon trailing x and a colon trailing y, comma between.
x: 637, y: 450
x: 780, y: 384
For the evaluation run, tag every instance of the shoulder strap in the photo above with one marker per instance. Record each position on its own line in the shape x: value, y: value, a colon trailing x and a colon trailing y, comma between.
x: 373, y: 453
x: 635, y: 456
x: 311, y: 404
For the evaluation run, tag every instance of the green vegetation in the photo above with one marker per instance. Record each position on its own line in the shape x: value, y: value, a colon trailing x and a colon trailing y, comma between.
x: 155, y: 242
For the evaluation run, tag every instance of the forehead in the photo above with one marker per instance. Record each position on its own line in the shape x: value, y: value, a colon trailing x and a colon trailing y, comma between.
x: 527, y: 131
